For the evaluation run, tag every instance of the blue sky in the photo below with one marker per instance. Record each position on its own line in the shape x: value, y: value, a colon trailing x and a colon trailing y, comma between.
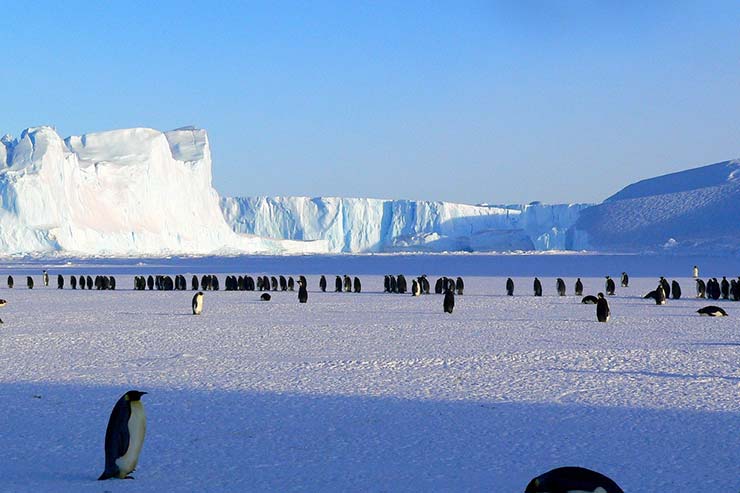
x: 465, y: 101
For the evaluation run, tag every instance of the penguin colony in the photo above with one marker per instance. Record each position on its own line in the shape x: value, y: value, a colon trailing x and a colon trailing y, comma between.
x: 398, y: 284
x: 126, y: 428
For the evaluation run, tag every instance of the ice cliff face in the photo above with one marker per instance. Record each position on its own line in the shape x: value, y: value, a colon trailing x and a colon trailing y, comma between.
x: 375, y: 225
x: 124, y: 192
x: 688, y: 211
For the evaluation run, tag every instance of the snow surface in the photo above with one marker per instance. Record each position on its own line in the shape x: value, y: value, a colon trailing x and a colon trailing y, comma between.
x: 376, y: 225
x: 371, y: 391
x: 124, y: 192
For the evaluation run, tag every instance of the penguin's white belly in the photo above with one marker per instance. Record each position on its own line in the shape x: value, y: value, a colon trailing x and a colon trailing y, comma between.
x: 198, y: 305
x: 136, y: 430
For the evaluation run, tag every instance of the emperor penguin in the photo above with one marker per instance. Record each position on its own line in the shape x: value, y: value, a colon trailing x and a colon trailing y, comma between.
x: 10, y: 282
x: 602, y: 309
x: 560, y: 286
x: 676, y: 290
x: 590, y: 300
x: 89, y: 283
x: 401, y: 284
x: 124, y: 436
x: 666, y: 286
x: 537, y: 287
x: 29, y: 282
x: 149, y: 282
x: 73, y: 282
x: 347, y: 284
x: 696, y: 272
x: 579, y: 287
x: 712, y: 311
x: 2, y: 304
x: 701, y: 288
x: 725, y: 289
x: 509, y: 287
x: 415, y: 288
x: 610, y: 286
x: 198, y: 303
x: 46, y: 278
x: 60, y: 281
x: 291, y: 284
x: 338, y: 284
x: 459, y: 285
x: 572, y: 479
x: 302, y: 293
x: 194, y: 282
x: 357, y: 285
x: 438, y: 285
x: 82, y: 282
x: 660, y: 295
x: 322, y: 283
x: 449, y: 302
x: 283, y: 283
x: 265, y: 297
x: 625, y: 281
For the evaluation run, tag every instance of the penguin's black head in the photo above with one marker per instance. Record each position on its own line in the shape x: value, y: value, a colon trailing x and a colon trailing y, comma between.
x: 535, y: 485
x: 600, y: 295
x: 133, y: 395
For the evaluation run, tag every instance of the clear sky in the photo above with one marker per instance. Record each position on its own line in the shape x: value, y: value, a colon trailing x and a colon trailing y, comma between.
x: 465, y: 101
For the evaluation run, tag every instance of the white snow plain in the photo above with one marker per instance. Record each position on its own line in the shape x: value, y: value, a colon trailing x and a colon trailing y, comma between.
x: 369, y: 391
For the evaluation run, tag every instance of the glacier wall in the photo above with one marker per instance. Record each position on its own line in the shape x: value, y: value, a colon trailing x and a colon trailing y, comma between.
x: 123, y: 192
x: 377, y: 225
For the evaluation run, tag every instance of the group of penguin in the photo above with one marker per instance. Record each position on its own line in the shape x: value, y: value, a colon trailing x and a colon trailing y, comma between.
x: 124, y: 439
x: 99, y: 283
x: 420, y: 285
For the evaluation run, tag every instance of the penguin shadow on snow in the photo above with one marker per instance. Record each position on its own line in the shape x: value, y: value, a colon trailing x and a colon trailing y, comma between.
x: 246, y: 441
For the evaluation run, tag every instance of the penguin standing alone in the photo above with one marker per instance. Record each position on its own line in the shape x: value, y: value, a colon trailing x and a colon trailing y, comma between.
x: 537, y: 287
x: 449, y: 302
x: 579, y: 287
x: 10, y: 282
x: 198, y: 303
x: 46, y: 278
x: 602, y: 309
x: 302, y: 292
x: 509, y: 287
x: 560, y: 286
x: 60, y: 281
x: 625, y: 280
x: 322, y: 283
x: 29, y: 282
x: 610, y: 286
x: 124, y: 436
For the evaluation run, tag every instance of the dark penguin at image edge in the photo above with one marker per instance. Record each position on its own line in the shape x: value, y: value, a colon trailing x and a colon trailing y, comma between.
x: 124, y: 436
x: 572, y: 480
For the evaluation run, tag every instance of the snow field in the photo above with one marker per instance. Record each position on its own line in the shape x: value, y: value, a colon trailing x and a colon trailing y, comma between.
x: 370, y: 391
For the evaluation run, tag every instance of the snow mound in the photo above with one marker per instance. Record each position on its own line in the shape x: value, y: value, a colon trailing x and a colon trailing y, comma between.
x: 685, y: 211
x: 124, y: 192
x: 377, y: 225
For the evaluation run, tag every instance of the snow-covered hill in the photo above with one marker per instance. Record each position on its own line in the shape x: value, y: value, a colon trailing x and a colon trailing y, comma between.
x: 124, y: 192
x: 690, y: 210
x: 375, y: 225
